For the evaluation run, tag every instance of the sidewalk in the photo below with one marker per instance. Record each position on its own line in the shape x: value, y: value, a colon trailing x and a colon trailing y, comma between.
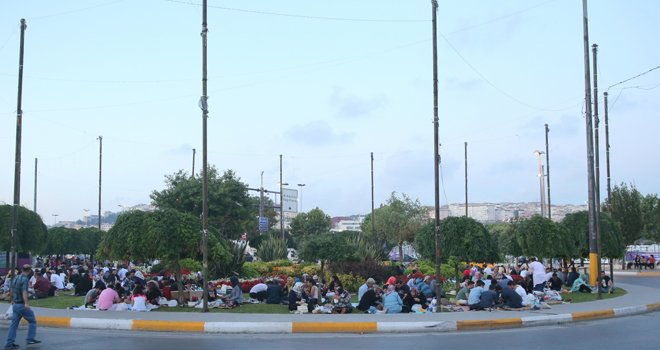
x: 639, y: 300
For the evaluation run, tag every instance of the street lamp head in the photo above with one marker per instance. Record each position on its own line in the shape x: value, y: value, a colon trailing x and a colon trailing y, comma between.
x: 538, y: 153
x: 301, y: 185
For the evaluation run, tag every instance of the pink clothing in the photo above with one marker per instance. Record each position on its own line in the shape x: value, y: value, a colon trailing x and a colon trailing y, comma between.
x: 108, y: 297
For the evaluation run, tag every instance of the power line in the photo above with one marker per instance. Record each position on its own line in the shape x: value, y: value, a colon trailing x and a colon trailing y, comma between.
x: 281, y: 14
x: 635, y: 77
x: 503, y: 17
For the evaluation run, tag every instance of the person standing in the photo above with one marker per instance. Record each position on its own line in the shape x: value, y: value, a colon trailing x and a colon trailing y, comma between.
x: 21, y: 309
x: 539, y: 276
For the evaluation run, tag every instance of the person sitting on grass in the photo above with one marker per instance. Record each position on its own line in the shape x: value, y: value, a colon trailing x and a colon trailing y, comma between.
x: 462, y: 295
x: 153, y: 292
x: 138, y: 299
x: 488, y: 298
x: 341, y: 301
x: 605, y: 283
x: 236, y: 297
x: 295, y: 296
x: 259, y: 291
x: 555, y: 282
x: 392, y: 302
x: 311, y: 294
x: 84, y: 284
x: 370, y: 301
x: 93, y: 294
x: 413, y: 298
x: 511, y: 299
x: 274, y: 292
x: 474, y: 299
x: 108, y: 300
x: 580, y: 285
x: 41, y: 286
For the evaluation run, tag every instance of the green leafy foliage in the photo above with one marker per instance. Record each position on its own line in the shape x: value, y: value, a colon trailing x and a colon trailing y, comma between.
x: 312, y: 223
x: 272, y: 249
x: 395, y: 222
x: 231, y: 210
x: 461, y: 237
x: 625, y: 207
x: 651, y: 217
x: 577, y: 226
x: 31, y: 232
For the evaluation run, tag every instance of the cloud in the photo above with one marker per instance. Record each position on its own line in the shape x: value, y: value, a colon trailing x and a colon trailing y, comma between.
x: 350, y: 106
x: 317, y: 133
x: 185, y: 149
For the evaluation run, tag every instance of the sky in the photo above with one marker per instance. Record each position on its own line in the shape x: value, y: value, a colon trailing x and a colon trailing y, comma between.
x: 323, y: 83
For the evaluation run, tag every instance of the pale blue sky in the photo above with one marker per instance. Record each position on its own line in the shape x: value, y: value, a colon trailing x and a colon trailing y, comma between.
x: 324, y: 87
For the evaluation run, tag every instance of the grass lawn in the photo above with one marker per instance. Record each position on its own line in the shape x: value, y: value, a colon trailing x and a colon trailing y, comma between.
x: 584, y: 297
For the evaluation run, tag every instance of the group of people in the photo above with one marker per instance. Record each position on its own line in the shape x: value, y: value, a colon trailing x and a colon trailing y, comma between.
x: 644, y: 262
x: 484, y: 288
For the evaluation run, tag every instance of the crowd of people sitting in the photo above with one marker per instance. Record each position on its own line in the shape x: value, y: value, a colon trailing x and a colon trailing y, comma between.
x: 124, y: 287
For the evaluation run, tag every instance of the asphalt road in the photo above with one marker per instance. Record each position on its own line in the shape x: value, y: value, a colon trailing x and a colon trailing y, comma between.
x: 640, y: 281
x: 629, y: 332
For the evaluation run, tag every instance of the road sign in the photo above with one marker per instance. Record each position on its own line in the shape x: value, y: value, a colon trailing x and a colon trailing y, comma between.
x: 263, y: 224
x: 290, y: 200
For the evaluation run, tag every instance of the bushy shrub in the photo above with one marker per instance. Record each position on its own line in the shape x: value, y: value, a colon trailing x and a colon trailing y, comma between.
x: 272, y: 248
x: 364, y: 270
x: 250, y: 270
x: 281, y: 262
x: 310, y: 270
x: 351, y: 282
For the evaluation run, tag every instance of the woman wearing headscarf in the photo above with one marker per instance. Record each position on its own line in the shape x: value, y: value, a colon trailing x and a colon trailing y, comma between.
x: 392, y: 301
x: 580, y: 285
x: 295, y: 295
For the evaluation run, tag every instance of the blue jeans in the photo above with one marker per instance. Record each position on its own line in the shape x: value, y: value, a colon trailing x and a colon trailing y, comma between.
x: 21, y: 312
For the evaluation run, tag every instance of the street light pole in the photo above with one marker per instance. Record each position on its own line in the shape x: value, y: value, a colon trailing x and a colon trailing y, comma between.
x: 17, y: 165
x: 193, y: 165
x: 100, y: 138
x: 373, y: 216
x: 593, y: 246
x: 261, y: 201
x: 541, y: 181
x: 436, y: 150
x: 466, y: 182
x: 547, y: 169
x: 35, y: 184
x: 205, y: 181
x: 281, y: 201
x: 594, y: 49
x: 301, y: 189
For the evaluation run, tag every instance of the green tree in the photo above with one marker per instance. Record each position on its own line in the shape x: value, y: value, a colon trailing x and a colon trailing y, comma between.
x: 611, y: 238
x: 314, y: 222
x: 327, y: 247
x: 504, y: 237
x: 651, y: 217
x: 31, y: 232
x: 625, y: 208
x: 231, y: 209
x: 540, y: 236
x: 396, y: 222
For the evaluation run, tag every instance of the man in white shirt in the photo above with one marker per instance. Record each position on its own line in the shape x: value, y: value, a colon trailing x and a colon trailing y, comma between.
x: 259, y: 291
x: 539, y: 276
x: 56, y: 280
x: 365, y: 287
x: 122, y: 273
x: 521, y: 291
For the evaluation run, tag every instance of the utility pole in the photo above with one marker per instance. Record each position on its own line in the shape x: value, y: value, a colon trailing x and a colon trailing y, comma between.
x: 466, y: 182
x: 17, y: 165
x: 593, y: 246
x: 607, y: 161
x: 541, y: 182
x: 205, y: 180
x: 193, y: 165
x: 607, y: 150
x: 436, y: 150
x: 35, y: 185
x: 261, y: 201
x: 547, y: 169
x: 281, y: 201
x: 373, y: 216
x: 100, y: 138
x: 594, y: 49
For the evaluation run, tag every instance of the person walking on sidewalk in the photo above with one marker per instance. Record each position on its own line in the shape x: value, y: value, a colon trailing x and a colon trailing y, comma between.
x: 21, y: 308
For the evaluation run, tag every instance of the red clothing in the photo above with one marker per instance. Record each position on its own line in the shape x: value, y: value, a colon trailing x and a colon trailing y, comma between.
x: 167, y: 292
x: 41, y: 286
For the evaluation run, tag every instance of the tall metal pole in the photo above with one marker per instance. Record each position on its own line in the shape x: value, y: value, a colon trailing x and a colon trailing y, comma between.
x: 436, y: 153
x: 36, y: 161
x: 593, y: 247
x: 193, y: 165
x: 541, y: 182
x: 261, y: 201
x: 547, y: 169
x: 607, y: 161
x: 607, y: 149
x: 466, y: 182
x: 594, y: 49
x: 205, y: 179
x: 281, y: 201
x: 100, y: 138
x: 373, y: 215
x: 17, y: 164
